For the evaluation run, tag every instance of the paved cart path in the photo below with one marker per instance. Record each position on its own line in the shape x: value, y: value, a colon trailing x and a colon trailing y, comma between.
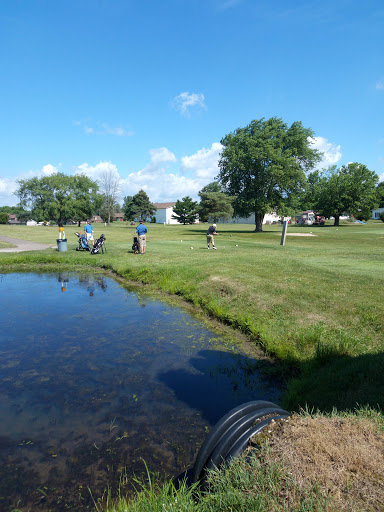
x: 22, y: 245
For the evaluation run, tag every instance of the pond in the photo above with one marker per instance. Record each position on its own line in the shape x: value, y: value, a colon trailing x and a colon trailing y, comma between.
x: 96, y: 378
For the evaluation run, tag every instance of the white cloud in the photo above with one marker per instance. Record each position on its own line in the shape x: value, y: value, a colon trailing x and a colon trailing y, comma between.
x: 7, y: 188
x: 380, y: 85
x: 331, y: 152
x: 48, y: 170
x: 204, y: 163
x: 185, y: 101
x: 100, y: 128
x: 95, y: 171
x: 8, y: 185
x: 163, y: 177
x: 159, y: 155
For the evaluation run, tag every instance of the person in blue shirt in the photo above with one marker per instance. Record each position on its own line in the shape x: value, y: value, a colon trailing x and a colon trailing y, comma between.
x: 88, y: 228
x: 141, y: 231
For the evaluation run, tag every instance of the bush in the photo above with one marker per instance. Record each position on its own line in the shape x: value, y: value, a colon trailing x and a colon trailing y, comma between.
x: 381, y: 216
x: 4, y: 217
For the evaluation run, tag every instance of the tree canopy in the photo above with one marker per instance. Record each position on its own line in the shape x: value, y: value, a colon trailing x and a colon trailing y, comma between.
x: 185, y: 211
x: 214, y: 204
x: 380, y: 194
x: 59, y: 197
x: 350, y: 189
x: 129, y: 208
x: 264, y: 163
x: 141, y: 206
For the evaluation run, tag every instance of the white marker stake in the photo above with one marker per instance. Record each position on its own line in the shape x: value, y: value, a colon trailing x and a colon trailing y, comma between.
x: 284, y: 233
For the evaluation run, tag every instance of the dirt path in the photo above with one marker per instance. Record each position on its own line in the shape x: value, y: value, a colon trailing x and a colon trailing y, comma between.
x: 22, y: 245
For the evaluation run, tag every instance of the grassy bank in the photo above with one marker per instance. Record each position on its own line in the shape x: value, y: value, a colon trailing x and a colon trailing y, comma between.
x: 316, y: 304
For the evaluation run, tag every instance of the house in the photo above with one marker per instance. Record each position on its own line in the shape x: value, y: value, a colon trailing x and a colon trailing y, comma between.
x: 376, y: 213
x: 118, y: 216
x: 96, y: 218
x: 164, y: 213
x: 12, y: 219
x: 269, y: 218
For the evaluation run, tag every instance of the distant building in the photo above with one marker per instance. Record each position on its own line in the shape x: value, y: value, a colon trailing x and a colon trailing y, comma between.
x: 164, y: 213
x: 376, y: 213
x: 118, y: 216
x: 96, y: 218
x: 269, y: 218
x: 12, y: 219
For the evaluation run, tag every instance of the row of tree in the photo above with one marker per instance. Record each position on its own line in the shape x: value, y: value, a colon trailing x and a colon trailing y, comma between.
x: 65, y: 198
x: 268, y: 167
x: 264, y: 167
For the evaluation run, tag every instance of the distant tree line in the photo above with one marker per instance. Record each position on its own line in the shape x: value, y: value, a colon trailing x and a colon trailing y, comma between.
x: 265, y: 167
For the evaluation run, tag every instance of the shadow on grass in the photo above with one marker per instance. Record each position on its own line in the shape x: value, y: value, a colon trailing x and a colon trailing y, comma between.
x: 341, y: 382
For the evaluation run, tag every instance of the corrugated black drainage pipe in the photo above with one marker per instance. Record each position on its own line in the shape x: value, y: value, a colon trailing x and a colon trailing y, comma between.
x: 230, y: 436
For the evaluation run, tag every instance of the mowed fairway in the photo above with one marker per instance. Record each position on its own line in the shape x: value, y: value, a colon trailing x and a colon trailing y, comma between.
x: 317, y: 303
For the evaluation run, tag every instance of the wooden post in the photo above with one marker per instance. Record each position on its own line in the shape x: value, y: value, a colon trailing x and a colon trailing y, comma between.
x: 284, y: 233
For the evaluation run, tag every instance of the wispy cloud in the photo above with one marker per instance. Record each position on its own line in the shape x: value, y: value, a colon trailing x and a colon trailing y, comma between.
x: 380, y: 85
x: 186, y: 101
x: 227, y: 4
x: 90, y: 127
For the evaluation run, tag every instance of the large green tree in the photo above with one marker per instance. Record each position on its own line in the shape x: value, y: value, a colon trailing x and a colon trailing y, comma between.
x: 264, y: 163
x: 59, y: 197
x: 142, y: 206
x: 214, y: 204
x: 185, y: 211
x: 380, y: 194
x: 129, y: 208
x: 350, y: 189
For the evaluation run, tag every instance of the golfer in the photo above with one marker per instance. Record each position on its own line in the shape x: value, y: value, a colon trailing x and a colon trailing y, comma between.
x: 141, y: 231
x: 88, y: 228
x: 211, y: 231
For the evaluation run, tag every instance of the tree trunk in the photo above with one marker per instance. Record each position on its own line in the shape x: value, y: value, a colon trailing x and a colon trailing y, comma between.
x: 337, y: 220
x: 259, y: 217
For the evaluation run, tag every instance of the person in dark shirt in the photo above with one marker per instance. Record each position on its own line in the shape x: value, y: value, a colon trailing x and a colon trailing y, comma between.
x: 211, y: 231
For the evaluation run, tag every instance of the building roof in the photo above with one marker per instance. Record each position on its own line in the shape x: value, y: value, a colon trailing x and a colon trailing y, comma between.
x: 119, y: 215
x: 159, y: 206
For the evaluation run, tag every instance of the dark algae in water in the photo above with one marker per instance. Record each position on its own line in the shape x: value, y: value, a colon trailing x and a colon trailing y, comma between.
x: 94, y: 379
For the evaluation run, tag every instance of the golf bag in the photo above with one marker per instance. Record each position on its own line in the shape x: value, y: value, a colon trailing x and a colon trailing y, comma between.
x: 83, y: 243
x: 99, y: 245
x: 135, y: 246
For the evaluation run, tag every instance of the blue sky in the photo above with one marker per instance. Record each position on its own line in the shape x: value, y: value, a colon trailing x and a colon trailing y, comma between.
x: 148, y: 88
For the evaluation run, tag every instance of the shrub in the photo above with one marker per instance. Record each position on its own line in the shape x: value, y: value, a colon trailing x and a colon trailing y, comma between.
x: 381, y: 216
x: 4, y: 217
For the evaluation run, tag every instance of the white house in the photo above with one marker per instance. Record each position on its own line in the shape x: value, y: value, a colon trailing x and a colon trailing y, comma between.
x: 269, y: 218
x: 164, y: 213
x: 376, y: 213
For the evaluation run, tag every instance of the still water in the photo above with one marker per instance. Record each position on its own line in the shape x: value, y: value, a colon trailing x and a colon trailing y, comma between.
x: 95, y: 378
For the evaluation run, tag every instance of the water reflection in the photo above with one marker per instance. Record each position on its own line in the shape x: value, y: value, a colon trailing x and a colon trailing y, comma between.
x: 92, y: 382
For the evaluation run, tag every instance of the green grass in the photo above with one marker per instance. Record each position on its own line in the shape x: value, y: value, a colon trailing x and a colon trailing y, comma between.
x: 315, y: 304
x: 247, y: 484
